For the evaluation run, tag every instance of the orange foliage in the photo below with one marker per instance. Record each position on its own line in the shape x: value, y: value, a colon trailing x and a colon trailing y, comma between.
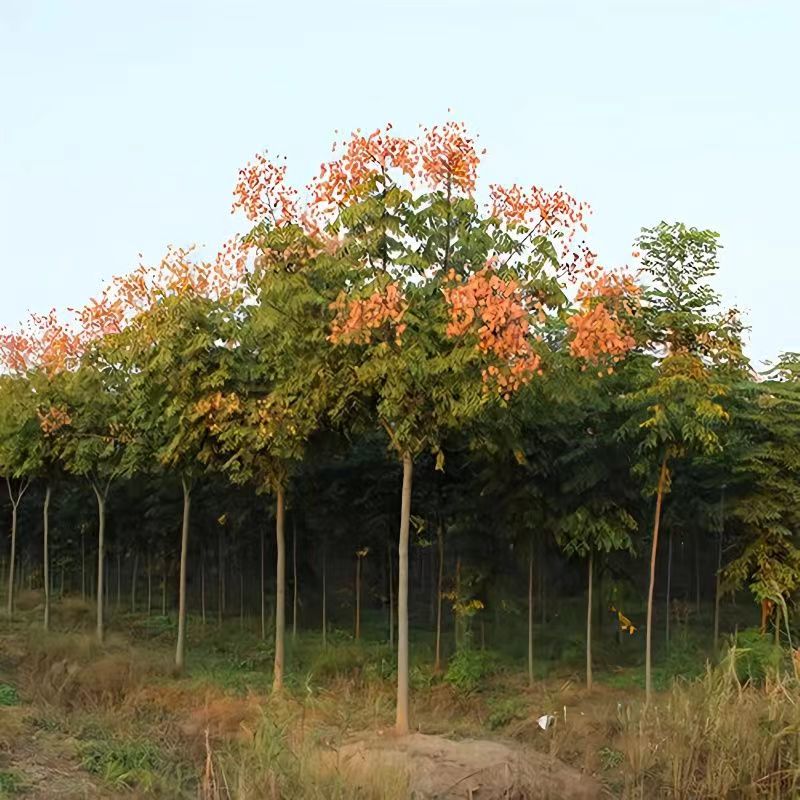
x: 357, y: 319
x: 449, y: 157
x: 45, y: 343
x: 544, y: 213
x: 53, y: 419
x: 262, y: 191
x: 600, y: 332
x: 493, y: 308
x: 363, y: 158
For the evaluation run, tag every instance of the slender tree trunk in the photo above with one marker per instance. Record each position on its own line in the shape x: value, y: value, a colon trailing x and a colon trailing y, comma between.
x: 358, y: 598
x: 718, y: 582
x: 101, y: 557
x: 324, y: 594
x: 180, y: 649
x: 696, y: 575
x: 203, y: 586
x: 456, y: 619
x: 149, y: 583
x: 164, y: 588
x: 648, y: 663
x: 83, y: 565
x: 669, y: 586
x: 280, y: 594
x: 15, y: 501
x: 530, y: 613
x: 437, y: 662
x: 119, y: 577
x: 241, y: 595
x: 294, y: 577
x: 220, y: 578
x: 589, y: 624
x: 401, y: 721
x: 46, y: 555
x: 134, y: 578
x: 263, y: 589
x: 391, y: 598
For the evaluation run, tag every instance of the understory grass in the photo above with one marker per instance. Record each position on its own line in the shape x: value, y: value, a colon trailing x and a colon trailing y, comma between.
x: 728, y: 728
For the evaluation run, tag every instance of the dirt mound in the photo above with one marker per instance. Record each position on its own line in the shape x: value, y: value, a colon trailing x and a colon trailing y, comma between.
x: 442, y: 769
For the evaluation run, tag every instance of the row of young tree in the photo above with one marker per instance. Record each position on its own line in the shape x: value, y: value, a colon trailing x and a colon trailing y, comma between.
x: 470, y: 332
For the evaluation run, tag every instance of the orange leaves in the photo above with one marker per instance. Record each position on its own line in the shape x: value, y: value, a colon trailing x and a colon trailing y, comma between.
x: 358, y: 319
x: 53, y: 420
x: 600, y: 330
x: 362, y: 158
x: 548, y: 213
x: 493, y: 309
x: 218, y: 407
x: 45, y: 343
x: 449, y: 157
x: 261, y: 192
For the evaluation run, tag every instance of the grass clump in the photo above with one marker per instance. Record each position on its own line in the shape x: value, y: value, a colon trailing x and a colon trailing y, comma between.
x: 469, y: 667
x: 10, y: 784
x: 754, y: 656
x: 125, y: 763
x: 8, y: 695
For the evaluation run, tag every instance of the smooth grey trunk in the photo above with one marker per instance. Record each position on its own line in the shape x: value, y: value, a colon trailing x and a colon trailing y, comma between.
x: 325, y: 594
x: 718, y: 584
x: 530, y: 614
x: 119, y: 578
x: 669, y: 587
x: 391, y: 598
x: 83, y: 565
x: 263, y: 591
x: 648, y: 658
x: 180, y: 649
x: 101, y: 495
x: 280, y: 593
x: 697, y: 575
x: 589, y: 624
x: 437, y: 661
x: 149, y: 584
x: 358, y: 598
x: 46, y: 555
x: 456, y: 619
x: 241, y: 595
x: 203, y: 586
x: 164, y: 588
x: 15, y: 501
x: 294, y: 577
x: 134, y: 578
x: 220, y: 577
x: 401, y: 720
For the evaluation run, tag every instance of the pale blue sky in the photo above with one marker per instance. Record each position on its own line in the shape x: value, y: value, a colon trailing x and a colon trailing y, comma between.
x: 122, y: 124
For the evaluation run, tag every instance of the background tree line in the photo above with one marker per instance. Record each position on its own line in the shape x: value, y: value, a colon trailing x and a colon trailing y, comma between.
x: 396, y: 340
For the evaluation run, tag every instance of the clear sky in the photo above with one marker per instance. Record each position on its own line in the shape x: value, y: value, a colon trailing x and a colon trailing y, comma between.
x: 122, y: 124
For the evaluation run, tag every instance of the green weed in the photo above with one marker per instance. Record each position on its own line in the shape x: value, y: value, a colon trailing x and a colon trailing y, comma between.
x: 8, y: 695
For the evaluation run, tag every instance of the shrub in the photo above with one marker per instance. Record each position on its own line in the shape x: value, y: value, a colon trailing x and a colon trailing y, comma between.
x: 123, y: 763
x: 505, y: 711
x: 8, y: 695
x: 754, y: 655
x: 10, y: 783
x: 469, y: 667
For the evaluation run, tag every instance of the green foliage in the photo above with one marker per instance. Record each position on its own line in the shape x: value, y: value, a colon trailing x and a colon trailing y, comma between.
x: 124, y: 763
x: 469, y: 667
x: 505, y: 710
x: 8, y: 695
x: 10, y: 783
x: 753, y: 655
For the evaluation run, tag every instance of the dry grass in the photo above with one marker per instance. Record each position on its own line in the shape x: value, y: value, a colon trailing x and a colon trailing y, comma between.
x: 715, y: 738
